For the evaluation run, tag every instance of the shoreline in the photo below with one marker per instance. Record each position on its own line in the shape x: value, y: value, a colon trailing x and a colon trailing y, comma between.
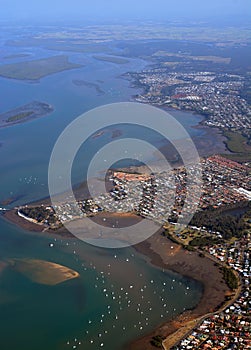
x: 26, y: 113
x: 161, y: 252
x: 158, y: 252
x: 12, y: 216
x: 213, y: 136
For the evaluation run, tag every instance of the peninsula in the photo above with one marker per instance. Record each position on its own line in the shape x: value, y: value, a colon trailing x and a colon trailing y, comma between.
x: 207, y: 247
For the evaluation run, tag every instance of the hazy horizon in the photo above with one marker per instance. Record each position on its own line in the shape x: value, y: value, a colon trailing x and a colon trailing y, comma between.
x: 58, y: 10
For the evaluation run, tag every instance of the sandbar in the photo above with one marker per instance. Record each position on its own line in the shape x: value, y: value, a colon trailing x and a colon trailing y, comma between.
x: 43, y: 272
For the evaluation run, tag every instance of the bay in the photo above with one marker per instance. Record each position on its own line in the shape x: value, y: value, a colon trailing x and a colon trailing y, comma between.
x: 119, y: 295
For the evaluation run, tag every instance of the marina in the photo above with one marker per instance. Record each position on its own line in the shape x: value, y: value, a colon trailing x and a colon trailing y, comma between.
x: 119, y: 295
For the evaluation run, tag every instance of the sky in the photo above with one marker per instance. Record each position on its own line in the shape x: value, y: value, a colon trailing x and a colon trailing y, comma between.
x: 126, y: 9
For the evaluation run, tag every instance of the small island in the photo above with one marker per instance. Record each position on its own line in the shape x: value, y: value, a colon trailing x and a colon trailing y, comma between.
x: 87, y: 84
x: 37, y: 69
x: 25, y: 113
x: 111, y: 59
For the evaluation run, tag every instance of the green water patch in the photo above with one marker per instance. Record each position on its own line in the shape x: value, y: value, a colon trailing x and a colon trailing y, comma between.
x: 239, y: 145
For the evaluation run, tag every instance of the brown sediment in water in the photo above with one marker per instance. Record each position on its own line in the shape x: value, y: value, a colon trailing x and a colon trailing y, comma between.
x: 162, y: 252
x: 212, y: 142
x: 120, y: 219
x: 3, y: 266
x: 43, y: 272
x: 12, y: 216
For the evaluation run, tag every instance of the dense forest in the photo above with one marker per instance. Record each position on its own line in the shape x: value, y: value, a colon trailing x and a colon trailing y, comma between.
x: 220, y: 221
x: 230, y: 278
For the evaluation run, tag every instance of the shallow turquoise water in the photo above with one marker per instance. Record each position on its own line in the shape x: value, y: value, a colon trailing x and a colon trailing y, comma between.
x: 118, y: 296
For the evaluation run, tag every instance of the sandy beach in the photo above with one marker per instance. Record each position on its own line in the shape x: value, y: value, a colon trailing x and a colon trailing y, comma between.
x: 11, y: 215
x: 121, y: 220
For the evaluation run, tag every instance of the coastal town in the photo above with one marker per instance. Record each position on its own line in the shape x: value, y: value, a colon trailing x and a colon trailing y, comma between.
x: 108, y: 243
x: 229, y: 328
x: 218, y: 96
x: 215, y: 95
x: 160, y: 197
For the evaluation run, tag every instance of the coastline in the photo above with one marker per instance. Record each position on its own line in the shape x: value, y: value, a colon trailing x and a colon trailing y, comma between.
x: 162, y: 252
x: 11, y: 216
x: 123, y: 219
x: 156, y: 251
x: 26, y: 113
x: 211, y: 142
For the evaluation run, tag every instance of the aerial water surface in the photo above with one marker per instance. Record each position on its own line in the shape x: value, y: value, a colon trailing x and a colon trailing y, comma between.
x: 119, y: 296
